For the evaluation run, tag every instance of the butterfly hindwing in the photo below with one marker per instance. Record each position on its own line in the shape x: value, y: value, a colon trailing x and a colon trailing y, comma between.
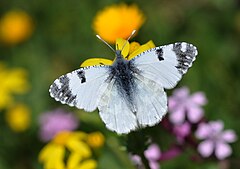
x: 115, y: 111
x: 150, y: 101
x: 81, y: 88
x: 166, y: 64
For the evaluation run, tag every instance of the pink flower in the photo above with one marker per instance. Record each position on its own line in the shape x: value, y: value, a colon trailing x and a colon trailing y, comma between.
x: 182, y: 104
x: 55, y: 121
x: 137, y: 161
x: 181, y: 131
x: 153, y: 154
x: 215, y: 139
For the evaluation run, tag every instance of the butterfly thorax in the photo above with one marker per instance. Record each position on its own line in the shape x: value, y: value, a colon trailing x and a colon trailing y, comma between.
x: 123, y: 73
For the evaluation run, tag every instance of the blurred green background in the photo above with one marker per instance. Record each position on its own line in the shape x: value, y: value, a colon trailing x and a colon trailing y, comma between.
x: 63, y: 38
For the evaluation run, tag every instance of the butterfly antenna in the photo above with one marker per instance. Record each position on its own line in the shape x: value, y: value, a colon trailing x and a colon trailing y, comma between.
x: 99, y: 37
x: 133, y: 32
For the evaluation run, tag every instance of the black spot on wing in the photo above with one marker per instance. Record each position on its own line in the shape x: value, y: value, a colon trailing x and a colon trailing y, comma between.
x: 159, y: 53
x: 184, y: 57
x: 81, y: 75
x: 61, y: 91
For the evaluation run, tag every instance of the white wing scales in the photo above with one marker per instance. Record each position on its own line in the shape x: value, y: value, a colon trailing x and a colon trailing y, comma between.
x: 81, y: 88
x: 166, y: 64
x: 151, y: 102
x: 115, y: 112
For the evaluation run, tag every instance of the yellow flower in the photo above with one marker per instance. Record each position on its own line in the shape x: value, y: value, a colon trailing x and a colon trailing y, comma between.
x: 18, y: 117
x: 12, y: 81
x: 95, y: 139
x: 53, y: 155
x: 129, y: 51
x: 15, y: 27
x: 118, y: 21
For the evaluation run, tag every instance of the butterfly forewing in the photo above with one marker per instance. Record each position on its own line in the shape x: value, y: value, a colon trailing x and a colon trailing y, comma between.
x: 81, y: 88
x: 166, y: 64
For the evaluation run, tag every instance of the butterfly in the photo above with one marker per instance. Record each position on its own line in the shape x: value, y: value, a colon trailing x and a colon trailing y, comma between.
x: 129, y: 94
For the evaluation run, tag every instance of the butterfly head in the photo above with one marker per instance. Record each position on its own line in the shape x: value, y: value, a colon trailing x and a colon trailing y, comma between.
x: 118, y: 53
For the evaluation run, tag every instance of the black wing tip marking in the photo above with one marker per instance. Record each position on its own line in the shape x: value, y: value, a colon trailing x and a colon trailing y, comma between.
x: 61, y: 91
x: 186, y: 54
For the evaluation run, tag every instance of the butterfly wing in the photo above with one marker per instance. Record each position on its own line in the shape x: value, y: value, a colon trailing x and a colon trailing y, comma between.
x: 148, y: 108
x: 82, y: 88
x: 115, y: 111
x: 166, y: 64
x: 150, y: 101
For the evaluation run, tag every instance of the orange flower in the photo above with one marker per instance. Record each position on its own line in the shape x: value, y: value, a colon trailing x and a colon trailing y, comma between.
x: 118, y: 21
x: 15, y: 27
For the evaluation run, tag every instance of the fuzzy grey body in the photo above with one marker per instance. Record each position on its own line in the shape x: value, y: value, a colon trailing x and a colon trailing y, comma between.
x: 123, y: 72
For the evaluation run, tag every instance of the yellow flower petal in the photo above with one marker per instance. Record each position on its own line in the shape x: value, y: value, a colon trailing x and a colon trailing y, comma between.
x: 118, y: 21
x: 18, y: 117
x: 46, y: 152
x: 141, y: 49
x: 120, y: 44
x: 73, y: 160
x: 80, y: 147
x: 62, y: 137
x: 88, y: 164
x: 133, y: 46
x: 96, y: 61
x: 52, y: 156
x: 11, y: 81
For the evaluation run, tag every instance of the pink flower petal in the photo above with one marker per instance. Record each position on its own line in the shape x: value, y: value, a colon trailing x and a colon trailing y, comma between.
x: 153, y: 152
x: 136, y: 159
x: 172, y: 104
x: 199, y: 98
x: 205, y: 148
x: 181, y: 93
x: 194, y: 114
x: 217, y: 126
x: 203, y: 131
x: 222, y: 150
x: 228, y: 136
x: 154, y: 165
x: 182, y: 130
x: 177, y: 117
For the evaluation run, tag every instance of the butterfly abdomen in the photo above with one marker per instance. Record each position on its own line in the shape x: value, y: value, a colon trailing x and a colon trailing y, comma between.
x: 123, y: 72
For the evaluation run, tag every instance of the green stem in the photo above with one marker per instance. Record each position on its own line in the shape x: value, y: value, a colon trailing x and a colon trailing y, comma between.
x: 145, y: 161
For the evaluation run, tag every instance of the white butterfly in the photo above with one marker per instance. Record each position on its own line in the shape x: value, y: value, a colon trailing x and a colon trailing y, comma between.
x: 130, y: 93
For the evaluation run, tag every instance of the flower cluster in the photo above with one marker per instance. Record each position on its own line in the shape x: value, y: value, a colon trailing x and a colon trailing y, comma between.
x: 71, y: 150
x: 187, y: 123
x: 14, y: 81
x: 185, y: 111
